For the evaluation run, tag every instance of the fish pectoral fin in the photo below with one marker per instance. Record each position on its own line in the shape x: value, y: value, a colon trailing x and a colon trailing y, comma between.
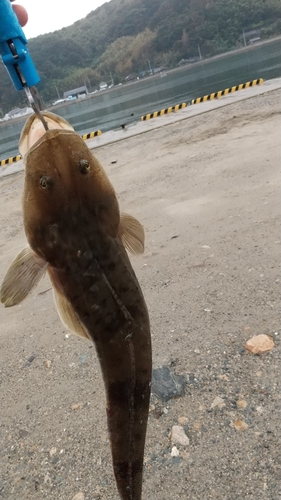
x: 24, y: 273
x: 68, y: 316
x: 131, y: 233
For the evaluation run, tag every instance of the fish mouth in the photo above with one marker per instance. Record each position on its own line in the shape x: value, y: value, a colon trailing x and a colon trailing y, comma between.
x: 34, y: 131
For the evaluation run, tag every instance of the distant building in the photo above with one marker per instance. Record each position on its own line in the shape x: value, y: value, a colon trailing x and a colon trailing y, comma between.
x: 254, y: 40
x: 103, y: 85
x: 76, y: 92
x: 251, y: 36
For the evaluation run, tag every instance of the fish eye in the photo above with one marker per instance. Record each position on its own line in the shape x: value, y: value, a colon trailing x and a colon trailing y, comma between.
x: 84, y: 166
x: 46, y: 182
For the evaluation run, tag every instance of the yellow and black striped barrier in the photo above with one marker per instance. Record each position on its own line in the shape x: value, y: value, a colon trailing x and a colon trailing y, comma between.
x: 91, y: 135
x: 220, y: 93
x: 164, y: 111
x: 13, y: 159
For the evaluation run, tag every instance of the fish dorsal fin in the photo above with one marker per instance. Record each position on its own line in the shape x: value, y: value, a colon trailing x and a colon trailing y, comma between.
x: 68, y: 316
x: 23, y: 275
x: 131, y: 233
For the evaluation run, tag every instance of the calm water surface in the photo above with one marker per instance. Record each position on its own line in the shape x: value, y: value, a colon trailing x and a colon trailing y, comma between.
x: 126, y: 104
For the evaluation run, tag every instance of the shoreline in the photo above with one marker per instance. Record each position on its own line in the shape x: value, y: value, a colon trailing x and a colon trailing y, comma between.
x: 156, y: 76
x: 142, y: 127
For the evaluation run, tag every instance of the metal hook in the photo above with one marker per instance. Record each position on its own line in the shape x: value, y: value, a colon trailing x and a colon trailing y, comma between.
x: 35, y: 108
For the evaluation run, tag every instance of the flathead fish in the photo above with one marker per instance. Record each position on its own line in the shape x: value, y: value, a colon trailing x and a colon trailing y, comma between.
x: 76, y: 233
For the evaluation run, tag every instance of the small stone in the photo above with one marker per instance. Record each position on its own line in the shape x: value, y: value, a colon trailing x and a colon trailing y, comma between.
x: 47, y: 478
x: 197, y: 426
x: 52, y: 451
x: 197, y: 351
x: 183, y: 420
x: 23, y: 433
x: 218, y: 403
x: 175, y: 452
x: 83, y: 359
x: 166, y: 384
x: 48, y: 363
x: 259, y: 409
x: 240, y: 425
x: 79, y: 496
x: 178, y: 436
x: 30, y: 359
x: 259, y: 344
x: 223, y: 376
x: 242, y: 403
x: 77, y: 406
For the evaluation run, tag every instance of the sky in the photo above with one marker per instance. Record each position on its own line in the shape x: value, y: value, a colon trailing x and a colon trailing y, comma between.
x: 51, y: 15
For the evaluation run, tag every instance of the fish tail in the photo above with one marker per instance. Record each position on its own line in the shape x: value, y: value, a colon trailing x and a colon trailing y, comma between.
x: 127, y: 413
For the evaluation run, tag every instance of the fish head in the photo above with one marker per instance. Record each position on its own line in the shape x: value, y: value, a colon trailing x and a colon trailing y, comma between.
x: 64, y: 185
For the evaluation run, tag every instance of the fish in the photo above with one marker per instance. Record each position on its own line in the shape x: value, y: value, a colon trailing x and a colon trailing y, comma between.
x: 76, y: 233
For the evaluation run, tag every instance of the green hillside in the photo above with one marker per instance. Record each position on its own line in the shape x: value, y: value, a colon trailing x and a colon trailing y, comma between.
x: 121, y: 36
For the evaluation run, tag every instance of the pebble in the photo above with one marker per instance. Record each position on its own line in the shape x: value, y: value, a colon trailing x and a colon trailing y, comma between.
x: 218, y: 403
x: 52, y: 451
x: 79, y: 496
x: 259, y: 344
x: 175, y: 452
x: 83, y: 359
x: 48, y: 363
x: 183, y: 420
x: 77, y: 406
x: 197, y: 426
x: 166, y: 384
x: 178, y: 436
x: 23, y: 433
x: 47, y: 478
x: 240, y: 425
x: 242, y: 403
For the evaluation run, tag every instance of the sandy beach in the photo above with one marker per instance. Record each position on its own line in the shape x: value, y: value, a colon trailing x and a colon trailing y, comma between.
x: 207, y: 190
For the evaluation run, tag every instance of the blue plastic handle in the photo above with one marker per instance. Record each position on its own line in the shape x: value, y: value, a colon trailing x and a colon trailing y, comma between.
x: 10, y: 31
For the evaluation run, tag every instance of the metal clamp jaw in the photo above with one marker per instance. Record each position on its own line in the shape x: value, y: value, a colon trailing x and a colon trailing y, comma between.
x: 17, y: 60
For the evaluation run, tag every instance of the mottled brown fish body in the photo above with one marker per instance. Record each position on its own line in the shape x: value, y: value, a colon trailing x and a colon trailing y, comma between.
x: 73, y: 225
x: 120, y: 332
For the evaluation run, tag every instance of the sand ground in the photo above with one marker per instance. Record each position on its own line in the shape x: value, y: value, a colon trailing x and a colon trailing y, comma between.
x: 207, y: 190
